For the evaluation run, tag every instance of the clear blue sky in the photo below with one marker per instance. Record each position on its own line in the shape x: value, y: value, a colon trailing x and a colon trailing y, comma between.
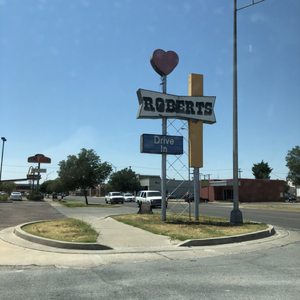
x: 69, y: 71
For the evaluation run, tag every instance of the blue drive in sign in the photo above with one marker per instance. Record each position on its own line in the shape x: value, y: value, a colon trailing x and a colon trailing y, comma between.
x: 158, y: 144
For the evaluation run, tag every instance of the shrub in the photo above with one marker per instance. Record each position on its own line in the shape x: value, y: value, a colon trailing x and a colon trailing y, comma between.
x: 35, y: 196
x: 3, y: 197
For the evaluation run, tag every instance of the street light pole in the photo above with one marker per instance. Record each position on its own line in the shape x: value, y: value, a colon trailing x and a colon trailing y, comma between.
x: 236, y: 216
x: 3, y: 141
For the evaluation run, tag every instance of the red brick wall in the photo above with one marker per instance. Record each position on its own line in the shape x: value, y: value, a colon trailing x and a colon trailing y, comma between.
x: 261, y: 190
x: 250, y: 190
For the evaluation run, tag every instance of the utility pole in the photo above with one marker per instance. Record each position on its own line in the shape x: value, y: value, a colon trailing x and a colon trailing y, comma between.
x: 236, y: 216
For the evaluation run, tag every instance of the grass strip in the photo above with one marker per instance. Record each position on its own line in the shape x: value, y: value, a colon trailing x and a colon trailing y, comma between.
x: 288, y: 207
x: 181, y: 228
x: 75, y: 203
x: 67, y: 230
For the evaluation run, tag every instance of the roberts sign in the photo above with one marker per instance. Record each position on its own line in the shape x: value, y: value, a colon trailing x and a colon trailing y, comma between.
x: 153, y: 105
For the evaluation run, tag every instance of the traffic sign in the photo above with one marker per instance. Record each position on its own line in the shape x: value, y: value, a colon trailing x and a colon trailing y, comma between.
x: 158, y: 144
x: 36, y: 170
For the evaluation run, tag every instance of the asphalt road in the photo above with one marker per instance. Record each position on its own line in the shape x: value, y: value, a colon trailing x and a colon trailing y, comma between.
x: 271, y: 272
x: 288, y: 220
x: 18, y: 212
x: 267, y: 274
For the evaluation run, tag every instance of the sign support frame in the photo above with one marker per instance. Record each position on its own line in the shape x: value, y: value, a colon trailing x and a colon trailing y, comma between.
x: 164, y: 159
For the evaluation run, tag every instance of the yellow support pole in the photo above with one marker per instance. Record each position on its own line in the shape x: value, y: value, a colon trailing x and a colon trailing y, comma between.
x: 195, y: 88
x: 196, y: 141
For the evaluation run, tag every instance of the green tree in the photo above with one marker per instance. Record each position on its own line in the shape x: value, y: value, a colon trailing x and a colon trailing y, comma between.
x: 45, y: 185
x: 124, y: 181
x: 83, y: 171
x: 293, y: 163
x: 7, y: 187
x: 261, y: 170
x: 51, y: 186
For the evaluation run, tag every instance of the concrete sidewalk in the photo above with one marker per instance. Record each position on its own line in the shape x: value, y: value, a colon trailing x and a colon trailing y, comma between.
x: 128, y: 244
x: 114, y: 234
x: 15, y: 251
x: 118, y: 235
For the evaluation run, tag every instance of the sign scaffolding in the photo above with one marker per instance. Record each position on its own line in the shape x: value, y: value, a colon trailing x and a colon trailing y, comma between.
x: 195, y: 108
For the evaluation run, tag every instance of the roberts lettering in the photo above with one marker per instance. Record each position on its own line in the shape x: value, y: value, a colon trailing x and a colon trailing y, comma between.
x: 161, y: 105
x: 155, y: 105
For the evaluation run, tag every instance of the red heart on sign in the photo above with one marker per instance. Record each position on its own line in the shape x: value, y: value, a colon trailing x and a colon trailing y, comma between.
x: 164, y: 62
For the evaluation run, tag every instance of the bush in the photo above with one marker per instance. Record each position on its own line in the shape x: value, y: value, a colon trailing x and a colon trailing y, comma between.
x: 35, y: 196
x: 3, y: 197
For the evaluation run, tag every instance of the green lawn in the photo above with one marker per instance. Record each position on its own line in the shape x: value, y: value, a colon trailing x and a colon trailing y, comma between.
x: 181, y: 228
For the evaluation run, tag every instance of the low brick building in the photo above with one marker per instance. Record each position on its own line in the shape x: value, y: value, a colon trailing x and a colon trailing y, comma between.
x: 250, y: 190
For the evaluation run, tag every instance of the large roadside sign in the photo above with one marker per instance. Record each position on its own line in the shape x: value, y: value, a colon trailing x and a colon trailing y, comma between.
x: 39, y: 158
x: 158, y: 144
x: 154, y: 105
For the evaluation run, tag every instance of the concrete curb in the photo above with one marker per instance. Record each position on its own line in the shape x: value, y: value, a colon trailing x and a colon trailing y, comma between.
x: 95, y: 246
x: 230, y: 239
x: 55, y: 243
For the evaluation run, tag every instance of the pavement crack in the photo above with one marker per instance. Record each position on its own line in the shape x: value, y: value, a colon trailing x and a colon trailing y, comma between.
x: 165, y: 256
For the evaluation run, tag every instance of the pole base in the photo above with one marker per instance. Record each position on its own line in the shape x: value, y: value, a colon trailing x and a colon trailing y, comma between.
x: 236, y: 217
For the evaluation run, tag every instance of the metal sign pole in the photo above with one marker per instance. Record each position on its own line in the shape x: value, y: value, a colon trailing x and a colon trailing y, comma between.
x: 38, y: 180
x: 197, y: 189
x: 196, y: 140
x: 163, y: 158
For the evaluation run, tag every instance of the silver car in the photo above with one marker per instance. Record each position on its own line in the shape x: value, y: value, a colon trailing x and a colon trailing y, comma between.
x: 15, y: 196
x: 128, y: 197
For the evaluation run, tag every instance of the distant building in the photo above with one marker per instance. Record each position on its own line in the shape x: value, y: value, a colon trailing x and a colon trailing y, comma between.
x: 23, y: 187
x: 175, y: 188
x: 250, y: 190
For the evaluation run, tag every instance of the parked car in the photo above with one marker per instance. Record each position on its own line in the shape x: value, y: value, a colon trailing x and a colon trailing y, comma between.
x: 15, y: 196
x: 291, y: 198
x: 114, y: 197
x: 128, y: 197
x: 190, y: 198
x: 151, y: 197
